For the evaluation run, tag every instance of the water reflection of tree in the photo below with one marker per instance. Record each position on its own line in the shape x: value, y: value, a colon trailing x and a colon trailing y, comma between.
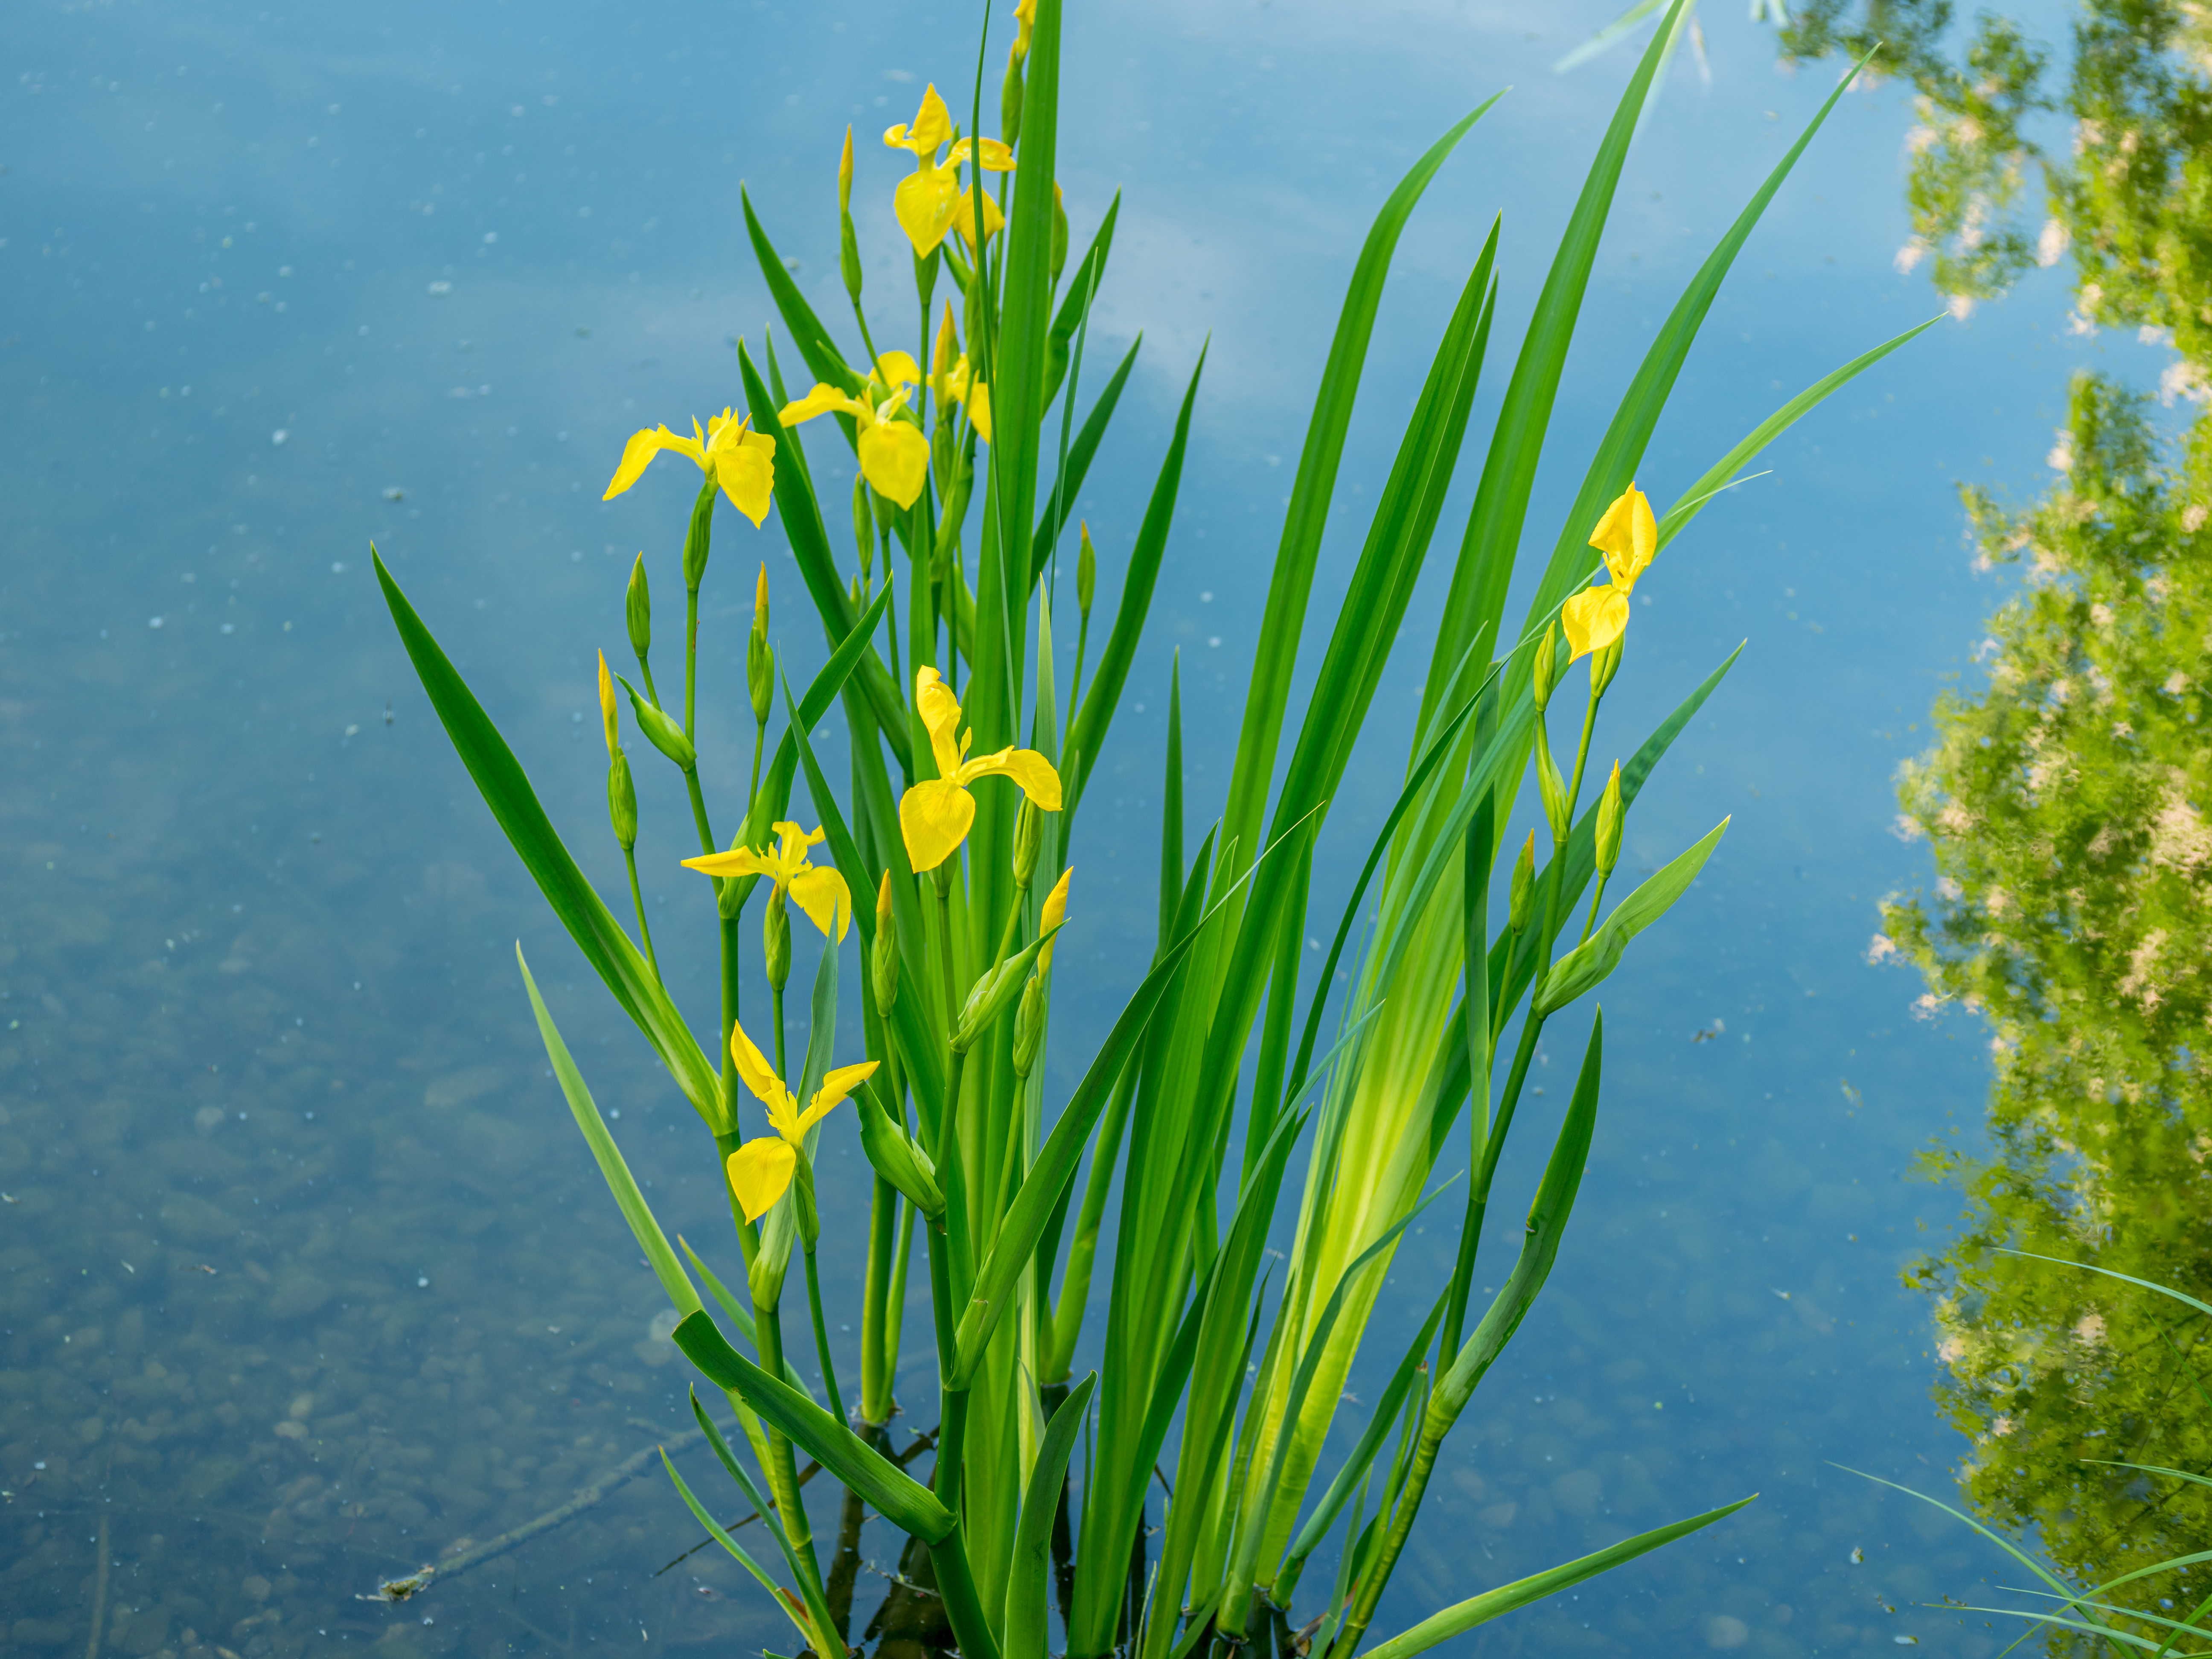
x: 2069, y: 803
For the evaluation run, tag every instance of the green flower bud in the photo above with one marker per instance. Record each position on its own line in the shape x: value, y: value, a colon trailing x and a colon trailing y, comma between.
x: 622, y: 801
x: 1546, y: 667
x: 1610, y: 813
x: 864, y: 527
x: 993, y: 994
x: 1029, y: 842
x: 1604, y: 664
x: 697, y: 539
x: 1058, y: 236
x: 1553, y: 788
x: 1522, y: 905
x: 760, y: 655
x: 895, y: 1157
x: 770, y: 1262
x: 1086, y: 572
x: 637, y: 607
x: 1029, y: 1027
x: 775, y: 937
x: 1010, y: 100
x: 802, y: 1201
x: 882, y: 959
x: 662, y: 732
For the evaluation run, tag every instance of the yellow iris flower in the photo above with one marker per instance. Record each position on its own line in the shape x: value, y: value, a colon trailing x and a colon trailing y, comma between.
x: 929, y: 201
x: 1024, y: 22
x: 935, y: 815
x: 821, y: 893
x: 1628, y: 536
x: 949, y: 378
x: 760, y: 1172
x: 739, y: 459
x: 894, y: 454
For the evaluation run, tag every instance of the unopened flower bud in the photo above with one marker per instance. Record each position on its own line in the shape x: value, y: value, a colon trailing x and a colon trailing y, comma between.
x: 622, y: 801
x: 1059, y: 256
x: 848, y: 246
x: 1009, y: 99
x: 775, y: 939
x: 1553, y: 789
x: 699, y: 539
x: 1610, y: 813
x: 863, y: 528
x: 896, y: 1156
x: 1547, y: 668
x: 760, y: 655
x: 884, y: 958
x: 637, y: 610
x: 607, y: 709
x: 1029, y: 1027
x: 662, y: 732
x: 1520, y: 907
x: 1604, y: 664
x: 845, y: 175
x: 1053, y: 915
x: 1087, y: 570
x: 1029, y: 842
x: 802, y: 1201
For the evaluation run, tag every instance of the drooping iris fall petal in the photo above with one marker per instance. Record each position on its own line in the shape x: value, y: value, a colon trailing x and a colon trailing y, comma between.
x: 1628, y: 538
x: 820, y: 892
x: 1593, y: 619
x: 741, y: 461
x: 761, y: 1171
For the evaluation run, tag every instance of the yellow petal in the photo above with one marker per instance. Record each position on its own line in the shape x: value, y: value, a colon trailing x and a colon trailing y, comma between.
x: 737, y: 861
x: 934, y: 818
x: 822, y: 400
x: 948, y: 342
x: 923, y: 204
x: 746, y: 473
x: 894, y: 370
x: 1025, y: 767
x: 760, y: 1173
x: 840, y: 1083
x: 754, y: 1069
x: 979, y: 409
x: 933, y: 125
x: 793, y: 840
x: 996, y: 157
x: 963, y: 217
x: 941, y: 717
x: 1628, y: 536
x: 895, y: 458
x: 1024, y: 20
x: 1593, y: 619
x: 824, y: 897
x: 637, y: 454
x: 607, y: 703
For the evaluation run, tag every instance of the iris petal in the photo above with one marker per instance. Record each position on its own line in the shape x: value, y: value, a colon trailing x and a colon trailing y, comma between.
x: 1593, y: 619
x: 895, y: 458
x: 824, y: 897
x: 941, y: 717
x: 760, y: 1173
x: 737, y: 861
x: 822, y: 400
x: 935, y: 817
x: 1025, y: 767
x: 637, y: 455
x: 755, y: 1071
x: 923, y: 203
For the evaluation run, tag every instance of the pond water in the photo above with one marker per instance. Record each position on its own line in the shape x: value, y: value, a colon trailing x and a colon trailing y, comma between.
x: 304, y: 1276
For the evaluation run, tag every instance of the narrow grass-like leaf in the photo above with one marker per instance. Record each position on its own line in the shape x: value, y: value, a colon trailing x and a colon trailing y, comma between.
x: 1082, y: 283
x: 807, y: 330
x: 1283, y: 621
x: 818, y: 1607
x: 1030, y: 1573
x: 2125, y: 1279
x: 506, y: 789
x: 1587, y: 965
x: 1995, y: 1537
x: 1096, y: 709
x: 635, y: 1211
x: 705, y: 1517
x: 1068, y: 483
x: 1506, y: 1598
x: 895, y: 1495
x: 1693, y: 500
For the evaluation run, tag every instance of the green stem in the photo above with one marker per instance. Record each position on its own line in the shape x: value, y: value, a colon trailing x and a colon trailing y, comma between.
x: 782, y: 1466
x: 645, y: 674
x: 775, y: 995
x: 1597, y: 897
x: 821, y: 1339
x: 637, y: 900
x: 877, y: 1356
x: 1436, y: 1422
x: 690, y: 661
x: 752, y: 795
x: 699, y: 821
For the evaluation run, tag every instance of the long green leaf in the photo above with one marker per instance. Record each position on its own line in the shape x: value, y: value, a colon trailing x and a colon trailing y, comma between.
x: 506, y: 789
x: 1096, y: 712
x: 631, y: 1202
x: 895, y: 1494
x: 808, y: 330
x: 1275, y: 660
x: 1030, y: 1573
x: 715, y: 1530
x: 809, y: 1583
x: 1067, y: 484
x: 1082, y: 284
x: 1584, y: 967
x: 1507, y: 1598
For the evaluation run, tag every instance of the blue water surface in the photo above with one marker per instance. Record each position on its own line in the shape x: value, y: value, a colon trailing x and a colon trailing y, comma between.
x: 304, y: 1276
